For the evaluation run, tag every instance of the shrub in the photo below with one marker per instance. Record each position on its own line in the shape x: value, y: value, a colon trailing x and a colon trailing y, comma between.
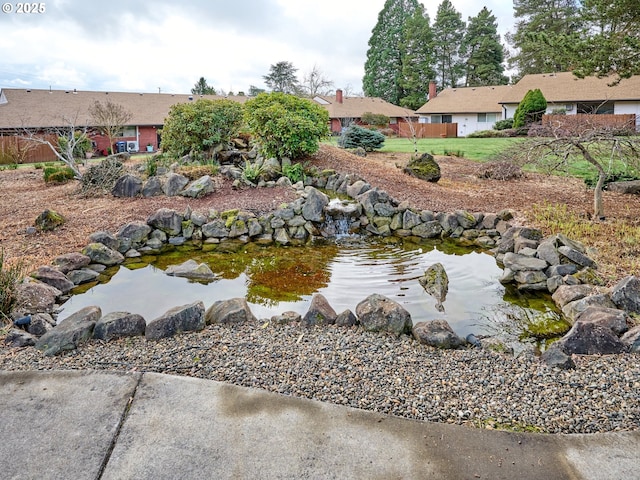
x: 530, y: 109
x: 200, y: 126
x: 10, y: 277
x: 251, y: 171
x: 354, y: 136
x: 375, y: 119
x: 285, y: 125
x: 80, y: 148
x: 486, y: 134
x: 103, y: 176
x: 58, y: 174
x: 294, y: 172
x: 503, y: 124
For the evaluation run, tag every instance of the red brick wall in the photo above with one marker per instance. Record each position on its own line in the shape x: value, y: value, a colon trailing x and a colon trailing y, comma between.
x: 145, y: 135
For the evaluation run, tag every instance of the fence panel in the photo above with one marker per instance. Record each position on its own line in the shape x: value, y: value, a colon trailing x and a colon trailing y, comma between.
x: 584, y: 120
x: 430, y: 130
x: 14, y: 149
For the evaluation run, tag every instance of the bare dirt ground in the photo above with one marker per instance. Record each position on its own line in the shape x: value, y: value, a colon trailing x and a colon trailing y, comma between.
x: 24, y: 195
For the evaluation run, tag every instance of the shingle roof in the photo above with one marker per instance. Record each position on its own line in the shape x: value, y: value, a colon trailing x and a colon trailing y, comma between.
x: 20, y: 108
x: 466, y: 100
x: 354, y: 107
x: 565, y: 87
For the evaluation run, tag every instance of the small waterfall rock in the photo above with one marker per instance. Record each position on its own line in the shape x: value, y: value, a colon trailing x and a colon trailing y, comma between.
x: 436, y: 283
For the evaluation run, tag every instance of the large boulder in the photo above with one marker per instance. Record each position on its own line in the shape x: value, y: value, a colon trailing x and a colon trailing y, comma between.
x: 378, y: 313
x: 586, y: 338
x: 626, y: 294
x: 436, y: 283
x: 100, y: 253
x: 424, y: 167
x: 167, y: 220
x: 71, y: 332
x: 231, y: 311
x: 83, y: 275
x: 199, y: 188
x: 106, y: 238
x: 436, y: 333
x: 35, y: 297
x: 71, y: 261
x: 152, y: 187
x: 617, y: 320
x: 320, y: 312
x: 174, y: 184
x: 127, y: 185
x: 53, y: 277
x: 185, y: 318
x: 632, y: 339
x: 119, y: 324
x: 570, y: 293
x: 313, y: 208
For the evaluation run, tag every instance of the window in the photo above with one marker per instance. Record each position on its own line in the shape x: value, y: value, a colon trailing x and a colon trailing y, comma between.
x: 128, y: 132
x: 487, y: 117
x: 597, y: 108
x: 441, y: 119
x: 393, y: 121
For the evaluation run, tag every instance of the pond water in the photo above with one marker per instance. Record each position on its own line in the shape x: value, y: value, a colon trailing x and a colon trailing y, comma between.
x: 275, y: 279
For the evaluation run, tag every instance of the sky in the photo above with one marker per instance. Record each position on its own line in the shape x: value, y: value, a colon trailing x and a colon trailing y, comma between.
x: 167, y: 45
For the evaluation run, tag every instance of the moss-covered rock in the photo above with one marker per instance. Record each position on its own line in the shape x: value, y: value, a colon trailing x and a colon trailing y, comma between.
x: 49, y: 220
x: 424, y: 167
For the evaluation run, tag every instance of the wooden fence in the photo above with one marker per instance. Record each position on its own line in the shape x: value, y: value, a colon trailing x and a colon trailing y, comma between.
x: 429, y: 130
x: 14, y: 149
x: 582, y: 121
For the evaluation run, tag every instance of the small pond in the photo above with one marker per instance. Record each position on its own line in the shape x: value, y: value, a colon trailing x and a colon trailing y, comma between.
x: 275, y: 279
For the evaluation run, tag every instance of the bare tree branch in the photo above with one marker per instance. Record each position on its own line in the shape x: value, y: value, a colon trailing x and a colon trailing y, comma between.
x: 109, y: 118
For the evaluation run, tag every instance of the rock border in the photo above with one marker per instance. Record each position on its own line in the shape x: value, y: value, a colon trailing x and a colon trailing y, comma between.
x: 554, y: 264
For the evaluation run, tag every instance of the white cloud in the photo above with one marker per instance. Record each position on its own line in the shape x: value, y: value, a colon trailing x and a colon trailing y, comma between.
x: 143, y: 46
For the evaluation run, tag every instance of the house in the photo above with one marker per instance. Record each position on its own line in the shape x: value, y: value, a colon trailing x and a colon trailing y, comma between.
x: 477, y: 108
x: 346, y: 110
x: 572, y: 95
x: 40, y: 110
x: 470, y: 108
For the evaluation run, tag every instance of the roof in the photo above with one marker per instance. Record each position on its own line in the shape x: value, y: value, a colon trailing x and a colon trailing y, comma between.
x: 354, y: 107
x: 566, y: 87
x: 20, y: 108
x: 466, y: 100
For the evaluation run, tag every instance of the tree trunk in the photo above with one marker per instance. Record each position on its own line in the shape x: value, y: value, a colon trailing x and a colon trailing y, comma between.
x: 598, y: 207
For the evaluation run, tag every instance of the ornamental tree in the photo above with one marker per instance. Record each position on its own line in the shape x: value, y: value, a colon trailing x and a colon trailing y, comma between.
x: 530, y: 109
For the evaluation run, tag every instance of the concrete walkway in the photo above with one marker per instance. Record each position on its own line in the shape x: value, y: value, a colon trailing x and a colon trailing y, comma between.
x: 100, y: 425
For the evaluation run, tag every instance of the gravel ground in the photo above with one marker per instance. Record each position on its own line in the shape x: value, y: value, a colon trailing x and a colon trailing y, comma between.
x: 381, y: 373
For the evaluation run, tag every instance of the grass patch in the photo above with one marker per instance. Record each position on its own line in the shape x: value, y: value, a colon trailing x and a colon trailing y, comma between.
x: 614, y: 244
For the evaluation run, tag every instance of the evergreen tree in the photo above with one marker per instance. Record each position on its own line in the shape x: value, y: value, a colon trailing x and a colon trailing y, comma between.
x: 530, y: 109
x: 282, y: 78
x: 417, y: 60
x: 383, y: 67
x: 542, y: 28
x: 483, y: 51
x: 448, y: 32
x: 201, y: 87
x: 611, y: 39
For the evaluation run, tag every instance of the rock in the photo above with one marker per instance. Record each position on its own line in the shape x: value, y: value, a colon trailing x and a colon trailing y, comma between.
x: 17, y: 338
x: 36, y: 297
x: 561, y: 270
x: 199, y: 188
x: 572, y: 309
x: 495, y: 344
x: 191, y: 269
x: 49, y: 220
x: 185, y: 318
x: 436, y: 283
x: 357, y: 188
x: 40, y: 324
x: 105, y: 238
x: 516, y: 262
x: 215, y: 229
x: 53, y: 277
x: 436, y: 333
x: 626, y: 294
x: 577, y: 257
x: 152, y: 187
x: 570, y: 293
x: 71, y: 332
x: 530, y: 277
x: 554, y: 357
x: 320, y: 312
x: 424, y: 167
x: 346, y: 319
x: 286, y: 318
x: 100, y: 253
x: 465, y: 219
x: 630, y: 187
x: 586, y: 338
x: 612, y: 318
x: 378, y: 313
x: 232, y: 311
x: 632, y: 339
x: 167, y: 220
x: 174, y: 184
x: 127, y: 185
x: 133, y: 235
x: 71, y: 261
x: 547, y: 252
x: 313, y: 209
x: 119, y: 324
x: 431, y: 229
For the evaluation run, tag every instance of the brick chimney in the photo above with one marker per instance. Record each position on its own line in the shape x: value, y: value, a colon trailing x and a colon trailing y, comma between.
x: 339, y: 96
x: 433, y: 90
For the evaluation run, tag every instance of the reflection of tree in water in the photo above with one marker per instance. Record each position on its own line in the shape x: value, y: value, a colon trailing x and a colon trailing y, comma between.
x: 287, y: 274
